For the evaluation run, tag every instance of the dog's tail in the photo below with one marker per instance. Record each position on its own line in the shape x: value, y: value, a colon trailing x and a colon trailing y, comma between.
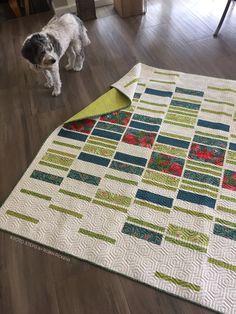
x: 84, y: 36
x: 82, y: 31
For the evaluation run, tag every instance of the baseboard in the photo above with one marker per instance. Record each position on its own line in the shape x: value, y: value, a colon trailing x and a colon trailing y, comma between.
x: 71, y: 8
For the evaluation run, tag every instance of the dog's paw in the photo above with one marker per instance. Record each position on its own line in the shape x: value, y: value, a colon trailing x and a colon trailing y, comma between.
x: 77, y: 68
x: 68, y: 67
x: 48, y: 84
x: 56, y: 92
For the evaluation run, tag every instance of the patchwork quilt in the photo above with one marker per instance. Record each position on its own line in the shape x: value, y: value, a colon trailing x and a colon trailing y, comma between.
x: 147, y: 188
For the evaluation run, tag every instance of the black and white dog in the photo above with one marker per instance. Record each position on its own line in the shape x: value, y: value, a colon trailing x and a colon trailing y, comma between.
x: 44, y: 49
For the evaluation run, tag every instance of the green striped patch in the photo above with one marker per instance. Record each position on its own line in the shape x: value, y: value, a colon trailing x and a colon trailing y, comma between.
x: 193, y: 213
x: 221, y: 264
x: 98, y: 236
x: 113, y: 198
x: 170, y: 150
x: 141, y: 84
x: 188, y: 235
x: 97, y: 143
x: 180, y: 124
x: 222, y: 89
x: 159, y: 185
x: 221, y: 113
x: 204, y: 170
x: 227, y: 198
x: 145, y: 223
x: 204, y: 165
x: 197, y: 190
x: 178, y: 281
x: 181, y: 137
x: 21, y: 216
x: 163, y: 82
x: 231, y: 155
x: 102, y: 140
x: 200, y: 185
x: 162, y: 177
x: 232, y: 162
x: 131, y: 82
x: 57, y: 159
x: 226, y: 222
x: 194, y: 101
x: 46, y: 177
x: 119, y: 179
x: 233, y: 135
x: 66, y: 145
x: 152, y: 103
x: 53, y: 166
x: 36, y: 194
x: 61, y: 153
x: 150, y: 110
x: 180, y: 119
x: 152, y: 206
x: 111, y: 206
x: 186, y: 245
x: 97, y: 150
x: 166, y: 73
x: 214, y: 101
x: 176, y: 111
x: 226, y: 210
x: 65, y: 211
x: 76, y: 195
x: 215, y: 136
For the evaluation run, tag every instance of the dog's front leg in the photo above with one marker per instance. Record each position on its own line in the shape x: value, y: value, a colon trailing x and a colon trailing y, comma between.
x: 56, y: 79
x: 49, y: 80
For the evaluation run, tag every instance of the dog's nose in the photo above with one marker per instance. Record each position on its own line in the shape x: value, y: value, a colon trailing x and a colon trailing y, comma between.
x: 52, y: 60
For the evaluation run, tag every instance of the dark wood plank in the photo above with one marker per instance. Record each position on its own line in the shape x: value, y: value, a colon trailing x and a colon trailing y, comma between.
x: 174, y: 34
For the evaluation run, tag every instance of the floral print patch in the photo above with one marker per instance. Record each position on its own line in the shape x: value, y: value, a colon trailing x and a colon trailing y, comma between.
x: 119, y: 117
x: 84, y: 126
x: 166, y: 163
x: 229, y: 180
x: 138, y: 137
x: 204, y: 153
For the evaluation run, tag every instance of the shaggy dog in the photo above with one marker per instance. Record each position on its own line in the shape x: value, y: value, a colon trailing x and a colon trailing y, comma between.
x: 44, y: 49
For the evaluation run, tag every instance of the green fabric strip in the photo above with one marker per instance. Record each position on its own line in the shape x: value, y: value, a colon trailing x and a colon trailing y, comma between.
x: 181, y: 137
x: 226, y: 210
x: 152, y: 103
x: 53, y: 166
x: 101, y: 144
x: 222, y: 264
x: 179, y: 124
x: 150, y: 110
x: 131, y: 82
x: 227, y: 198
x: 185, y: 244
x: 164, y: 82
x: 167, y: 74
x: 200, y: 191
x: 45, y: 197
x: 188, y: 100
x: 219, y: 102
x: 222, y: 89
x: 193, y: 213
x: 66, y: 145
x: 97, y: 236
x: 56, y: 159
x: 178, y: 281
x: 226, y: 222
x: 101, y: 151
x: 21, y: 216
x: 204, y: 165
x: 111, y: 177
x: 201, y: 185
x: 188, y: 235
x: 76, y: 195
x: 162, y: 177
x: 145, y: 223
x: 102, y: 140
x: 159, y: 185
x: 172, y: 110
x: 204, y: 170
x: 152, y: 206
x: 217, y: 112
x: 212, y: 135
x: 111, y: 206
x: 61, y: 153
x: 113, y: 198
x: 162, y: 148
x: 65, y: 211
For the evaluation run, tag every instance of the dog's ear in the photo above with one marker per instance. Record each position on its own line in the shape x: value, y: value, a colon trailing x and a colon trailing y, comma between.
x: 28, y: 51
x: 55, y: 44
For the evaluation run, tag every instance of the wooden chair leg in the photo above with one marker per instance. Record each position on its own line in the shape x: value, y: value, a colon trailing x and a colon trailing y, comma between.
x: 27, y: 9
x: 222, y: 18
x: 15, y: 7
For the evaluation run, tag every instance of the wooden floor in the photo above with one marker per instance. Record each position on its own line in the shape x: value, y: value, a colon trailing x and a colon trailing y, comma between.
x: 174, y: 34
